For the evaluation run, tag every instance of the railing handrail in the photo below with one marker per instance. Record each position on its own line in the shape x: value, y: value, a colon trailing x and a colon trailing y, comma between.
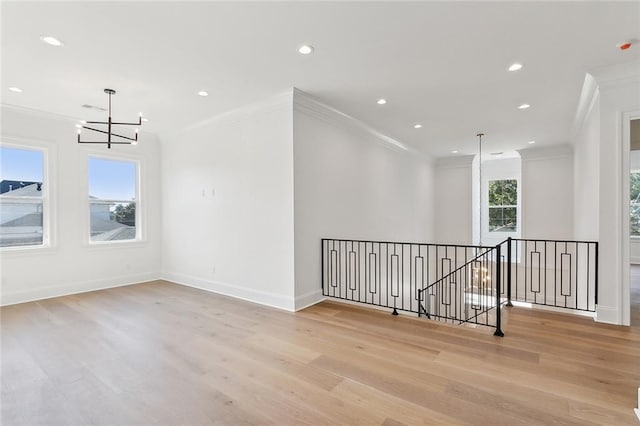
x: 539, y: 240
x: 408, y: 243
x: 458, y: 269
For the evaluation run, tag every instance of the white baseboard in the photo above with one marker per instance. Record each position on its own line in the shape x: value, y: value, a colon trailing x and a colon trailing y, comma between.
x: 607, y: 314
x: 308, y: 299
x: 75, y: 288
x: 256, y: 296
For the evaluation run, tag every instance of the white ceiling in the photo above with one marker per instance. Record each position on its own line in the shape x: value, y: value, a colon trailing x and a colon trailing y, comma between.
x: 442, y: 65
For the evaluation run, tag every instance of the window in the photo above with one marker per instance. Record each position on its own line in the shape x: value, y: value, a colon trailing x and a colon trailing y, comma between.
x: 112, y: 199
x: 503, y: 205
x: 634, y: 207
x: 23, y: 199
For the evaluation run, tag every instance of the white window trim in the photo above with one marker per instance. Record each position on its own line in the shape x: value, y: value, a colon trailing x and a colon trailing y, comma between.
x: 140, y: 238
x: 633, y: 237
x: 487, y: 207
x: 47, y: 199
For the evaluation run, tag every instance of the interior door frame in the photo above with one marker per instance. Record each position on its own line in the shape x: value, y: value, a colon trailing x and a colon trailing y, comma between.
x: 625, y: 291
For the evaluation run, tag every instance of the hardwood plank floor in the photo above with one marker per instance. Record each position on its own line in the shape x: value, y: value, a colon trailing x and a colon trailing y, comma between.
x: 162, y: 353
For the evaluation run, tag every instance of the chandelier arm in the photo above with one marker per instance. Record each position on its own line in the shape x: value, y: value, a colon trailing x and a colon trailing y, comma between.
x: 104, y: 142
x: 109, y: 133
x: 139, y: 123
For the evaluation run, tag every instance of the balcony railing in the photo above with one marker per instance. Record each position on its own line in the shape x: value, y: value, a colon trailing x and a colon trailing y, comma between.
x: 461, y: 283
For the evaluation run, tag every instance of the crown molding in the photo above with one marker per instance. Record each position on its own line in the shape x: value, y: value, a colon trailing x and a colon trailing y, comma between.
x: 270, y: 104
x: 307, y: 104
x: 38, y: 112
x: 546, y: 152
x: 52, y: 116
x: 457, y: 162
x: 618, y: 75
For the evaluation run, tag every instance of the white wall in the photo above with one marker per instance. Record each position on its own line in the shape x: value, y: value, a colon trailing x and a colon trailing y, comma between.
x: 496, y: 169
x: 228, y: 204
x: 586, y: 165
x: 547, y: 182
x: 71, y: 265
x: 611, y: 95
x: 546, y: 179
x: 352, y: 183
x: 453, y: 200
x: 619, y: 95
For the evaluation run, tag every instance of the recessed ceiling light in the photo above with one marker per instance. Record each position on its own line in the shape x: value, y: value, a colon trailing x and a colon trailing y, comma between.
x: 382, y: 101
x: 454, y: 152
x: 417, y: 126
x: 78, y: 126
x: 524, y: 106
x: 145, y: 119
x: 305, y: 49
x: 515, y: 67
x: 203, y: 93
x: 15, y: 89
x: 52, y: 41
x: 531, y: 142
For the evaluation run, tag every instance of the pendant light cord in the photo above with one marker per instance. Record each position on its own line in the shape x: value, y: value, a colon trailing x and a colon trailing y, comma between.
x: 480, y: 135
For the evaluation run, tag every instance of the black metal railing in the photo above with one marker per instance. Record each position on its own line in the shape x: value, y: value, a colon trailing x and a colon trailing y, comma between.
x: 558, y: 273
x: 469, y: 294
x: 462, y: 284
x: 396, y: 275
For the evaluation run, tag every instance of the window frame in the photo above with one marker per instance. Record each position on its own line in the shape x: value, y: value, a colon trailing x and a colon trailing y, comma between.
x: 46, y: 199
x: 140, y: 222
x: 503, y: 206
x: 632, y: 236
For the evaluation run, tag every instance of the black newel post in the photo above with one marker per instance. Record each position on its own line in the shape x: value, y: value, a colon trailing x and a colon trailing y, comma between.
x: 498, y: 331
x: 509, y: 272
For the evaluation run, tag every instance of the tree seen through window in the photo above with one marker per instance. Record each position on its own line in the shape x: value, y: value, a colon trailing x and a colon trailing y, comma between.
x: 503, y: 205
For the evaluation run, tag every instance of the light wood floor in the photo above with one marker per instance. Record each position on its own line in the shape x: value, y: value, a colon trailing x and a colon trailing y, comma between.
x: 163, y: 353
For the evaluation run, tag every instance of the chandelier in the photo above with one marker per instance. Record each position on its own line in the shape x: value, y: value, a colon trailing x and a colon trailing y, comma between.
x: 119, y: 139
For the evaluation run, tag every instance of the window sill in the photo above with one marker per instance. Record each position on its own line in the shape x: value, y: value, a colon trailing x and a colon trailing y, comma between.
x: 115, y: 244
x: 27, y: 251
